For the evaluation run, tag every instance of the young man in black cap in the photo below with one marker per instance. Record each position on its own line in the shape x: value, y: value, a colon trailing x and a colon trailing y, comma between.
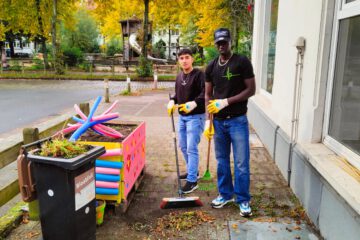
x: 189, y: 95
x: 229, y: 82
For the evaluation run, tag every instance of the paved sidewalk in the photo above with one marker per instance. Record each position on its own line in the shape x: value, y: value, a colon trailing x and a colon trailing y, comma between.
x: 272, y: 201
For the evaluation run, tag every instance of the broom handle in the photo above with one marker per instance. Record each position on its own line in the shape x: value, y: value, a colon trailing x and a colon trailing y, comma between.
x: 176, y: 155
x: 208, y: 153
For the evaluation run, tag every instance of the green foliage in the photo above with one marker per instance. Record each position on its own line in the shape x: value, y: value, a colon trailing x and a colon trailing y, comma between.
x: 62, y: 148
x: 59, y: 63
x: 113, y: 46
x: 84, y: 35
x: 159, y: 49
x: 198, y: 61
x: 86, y: 66
x: 14, y: 66
x: 144, y: 68
x: 37, y: 64
x: 73, y: 56
x: 74, y: 76
x: 125, y: 93
x: 244, y: 48
x: 210, y: 54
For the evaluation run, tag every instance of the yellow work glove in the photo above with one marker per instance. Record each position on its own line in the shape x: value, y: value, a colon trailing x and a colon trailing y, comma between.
x: 209, y: 130
x: 171, y: 107
x: 187, y: 107
x: 216, y: 105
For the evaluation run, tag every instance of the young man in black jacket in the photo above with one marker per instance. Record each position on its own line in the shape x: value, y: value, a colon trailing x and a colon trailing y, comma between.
x: 189, y: 96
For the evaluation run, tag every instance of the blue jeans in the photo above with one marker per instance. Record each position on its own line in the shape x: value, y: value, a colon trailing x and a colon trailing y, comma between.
x: 190, y: 130
x: 233, y: 132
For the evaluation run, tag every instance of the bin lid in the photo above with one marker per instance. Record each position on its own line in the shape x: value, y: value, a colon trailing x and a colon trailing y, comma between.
x: 69, y: 163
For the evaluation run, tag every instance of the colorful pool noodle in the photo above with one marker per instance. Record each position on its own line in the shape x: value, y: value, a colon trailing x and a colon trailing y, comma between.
x: 103, y: 184
x: 87, y: 123
x: 75, y: 136
x: 107, y: 191
x: 105, y: 170
x: 94, y: 125
x: 110, y: 108
x: 102, y: 128
x: 112, y: 152
x: 109, y: 164
x: 107, y: 178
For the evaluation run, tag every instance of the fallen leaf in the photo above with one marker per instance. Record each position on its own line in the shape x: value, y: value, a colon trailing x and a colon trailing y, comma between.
x: 288, y: 229
x: 234, y: 225
x: 297, y: 228
x: 32, y: 234
x: 297, y: 237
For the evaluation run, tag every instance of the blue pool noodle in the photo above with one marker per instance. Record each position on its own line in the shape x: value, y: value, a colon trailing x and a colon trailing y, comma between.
x: 107, y: 191
x: 108, y: 164
x: 108, y: 178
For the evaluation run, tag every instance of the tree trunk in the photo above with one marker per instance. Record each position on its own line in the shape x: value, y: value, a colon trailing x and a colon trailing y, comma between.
x: 146, y: 27
x: 3, y: 55
x: 169, y: 57
x: 12, y: 50
x: 44, y: 51
x: 42, y: 37
x: 53, y: 32
x: 236, y: 36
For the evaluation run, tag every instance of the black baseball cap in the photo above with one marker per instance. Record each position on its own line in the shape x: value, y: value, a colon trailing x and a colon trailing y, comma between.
x: 222, y: 34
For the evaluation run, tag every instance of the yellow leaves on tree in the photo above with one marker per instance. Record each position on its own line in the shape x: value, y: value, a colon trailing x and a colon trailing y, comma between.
x: 108, y: 14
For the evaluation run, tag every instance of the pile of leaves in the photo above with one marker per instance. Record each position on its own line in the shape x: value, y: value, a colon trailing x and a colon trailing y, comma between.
x: 182, y: 220
x: 62, y: 148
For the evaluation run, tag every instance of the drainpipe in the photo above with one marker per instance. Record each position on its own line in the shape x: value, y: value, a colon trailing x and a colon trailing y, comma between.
x: 300, y: 46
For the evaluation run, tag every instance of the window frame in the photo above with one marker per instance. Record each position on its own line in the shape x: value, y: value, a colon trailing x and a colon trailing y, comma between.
x: 342, y: 11
x: 265, y: 48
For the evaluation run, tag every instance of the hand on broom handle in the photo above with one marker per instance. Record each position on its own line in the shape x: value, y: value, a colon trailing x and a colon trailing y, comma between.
x: 211, y: 118
x: 207, y: 175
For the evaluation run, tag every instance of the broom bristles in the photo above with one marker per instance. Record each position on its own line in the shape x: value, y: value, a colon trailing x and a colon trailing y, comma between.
x: 180, y: 202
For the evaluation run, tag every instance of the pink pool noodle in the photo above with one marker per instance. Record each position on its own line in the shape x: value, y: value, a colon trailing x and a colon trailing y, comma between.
x: 103, y: 184
x: 110, y: 108
x: 99, y: 127
x: 110, y: 171
x: 112, y: 152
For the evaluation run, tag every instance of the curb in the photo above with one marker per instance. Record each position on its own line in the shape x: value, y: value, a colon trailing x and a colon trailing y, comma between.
x: 11, y: 219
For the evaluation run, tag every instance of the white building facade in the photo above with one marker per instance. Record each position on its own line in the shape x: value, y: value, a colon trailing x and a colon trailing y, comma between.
x: 306, y: 57
x: 171, y: 43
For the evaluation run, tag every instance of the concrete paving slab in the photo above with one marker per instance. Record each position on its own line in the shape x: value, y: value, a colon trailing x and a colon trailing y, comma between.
x: 251, y: 230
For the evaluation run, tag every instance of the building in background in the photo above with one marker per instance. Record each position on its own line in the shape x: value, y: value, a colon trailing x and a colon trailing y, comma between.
x: 171, y: 38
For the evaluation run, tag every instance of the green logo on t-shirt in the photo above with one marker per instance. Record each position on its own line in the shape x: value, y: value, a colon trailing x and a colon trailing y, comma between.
x: 229, y: 75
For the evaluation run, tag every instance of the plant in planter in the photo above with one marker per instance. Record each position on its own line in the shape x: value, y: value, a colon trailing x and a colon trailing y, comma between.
x: 65, y: 183
x: 62, y: 148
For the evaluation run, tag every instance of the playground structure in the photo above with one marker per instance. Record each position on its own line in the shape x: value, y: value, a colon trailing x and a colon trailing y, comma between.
x: 132, y: 49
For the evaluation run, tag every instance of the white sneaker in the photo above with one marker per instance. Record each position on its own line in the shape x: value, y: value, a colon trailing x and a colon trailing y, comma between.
x: 219, y: 202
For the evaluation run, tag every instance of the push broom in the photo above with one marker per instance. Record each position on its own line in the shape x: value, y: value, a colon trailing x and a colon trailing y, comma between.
x: 180, y: 201
x: 207, y: 175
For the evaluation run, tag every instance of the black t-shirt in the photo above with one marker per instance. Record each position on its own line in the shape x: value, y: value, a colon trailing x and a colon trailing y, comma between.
x: 228, y: 81
x: 191, y: 87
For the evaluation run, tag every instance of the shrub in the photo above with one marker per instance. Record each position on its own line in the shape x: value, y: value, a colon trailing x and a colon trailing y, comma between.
x: 210, y: 54
x: 144, y: 68
x: 113, y: 46
x: 198, y: 61
x: 72, y: 56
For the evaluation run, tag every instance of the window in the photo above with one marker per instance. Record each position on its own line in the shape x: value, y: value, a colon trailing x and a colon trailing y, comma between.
x: 343, y: 129
x: 270, y: 48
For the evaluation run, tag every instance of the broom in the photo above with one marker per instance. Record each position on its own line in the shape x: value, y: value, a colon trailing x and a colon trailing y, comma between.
x: 207, y: 175
x: 181, y: 201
